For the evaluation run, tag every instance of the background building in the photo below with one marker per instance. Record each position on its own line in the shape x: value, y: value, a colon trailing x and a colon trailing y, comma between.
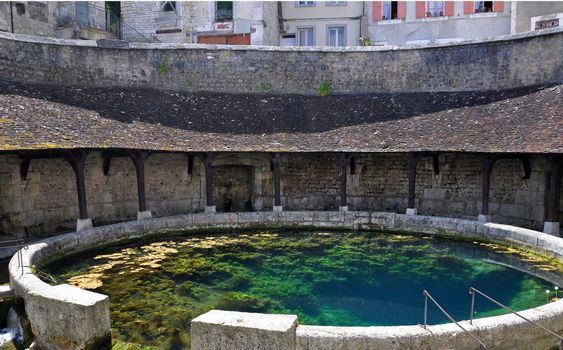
x: 320, y: 23
x: 287, y: 23
x: 212, y: 22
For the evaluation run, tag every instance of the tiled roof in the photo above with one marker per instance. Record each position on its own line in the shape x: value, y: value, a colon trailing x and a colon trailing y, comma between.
x: 524, y: 120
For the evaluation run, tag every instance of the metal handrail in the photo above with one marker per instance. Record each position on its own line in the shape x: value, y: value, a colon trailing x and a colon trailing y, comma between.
x: 426, y: 296
x: 472, y: 291
x: 16, y: 243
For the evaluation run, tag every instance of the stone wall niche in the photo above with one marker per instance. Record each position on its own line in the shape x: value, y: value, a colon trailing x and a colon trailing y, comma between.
x: 233, y: 188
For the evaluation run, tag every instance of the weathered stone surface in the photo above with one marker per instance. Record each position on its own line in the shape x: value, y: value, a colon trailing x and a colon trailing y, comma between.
x: 67, y: 317
x: 228, y: 330
x: 83, y: 224
x: 46, y: 302
x: 523, y: 59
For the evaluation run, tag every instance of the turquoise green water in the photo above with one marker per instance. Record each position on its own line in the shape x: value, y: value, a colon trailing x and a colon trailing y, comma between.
x: 346, y: 279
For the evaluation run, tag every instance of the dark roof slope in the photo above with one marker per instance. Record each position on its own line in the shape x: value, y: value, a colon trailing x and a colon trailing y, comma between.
x: 527, y: 120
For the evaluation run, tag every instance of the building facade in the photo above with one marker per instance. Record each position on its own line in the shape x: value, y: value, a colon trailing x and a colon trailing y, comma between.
x: 422, y: 22
x: 321, y: 23
x: 62, y: 19
x: 213, y: 22
x: 285, y: 23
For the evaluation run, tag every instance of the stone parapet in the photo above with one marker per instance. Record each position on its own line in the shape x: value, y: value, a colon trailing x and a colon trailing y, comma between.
x: 497, y: 63
x: 43, y: 300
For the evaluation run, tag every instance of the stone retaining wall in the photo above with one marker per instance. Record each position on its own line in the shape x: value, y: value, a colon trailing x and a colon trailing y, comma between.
x: 499, y: 63
x: 86, y: 308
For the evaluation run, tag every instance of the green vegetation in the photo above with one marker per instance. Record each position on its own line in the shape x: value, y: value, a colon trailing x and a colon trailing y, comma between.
x: 163, y: 67
x: 51, y: 74
x: 326, y: 278
x: 325, y: 88
x: 265, y: 87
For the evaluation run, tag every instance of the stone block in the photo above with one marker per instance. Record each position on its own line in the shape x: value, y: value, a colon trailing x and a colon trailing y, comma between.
x: 83, y: 224
x: 210, y: 209
x: 228, y: 330
x: 277, y: 208
x: 142, y: 215
x: 551, y: 228
x: 411, y: 211
x: 484, y: 218
x: 67, y: 317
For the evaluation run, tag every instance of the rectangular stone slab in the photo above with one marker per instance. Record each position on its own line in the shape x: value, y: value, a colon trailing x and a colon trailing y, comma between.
x: 228, y: 330
x: 67, y: 317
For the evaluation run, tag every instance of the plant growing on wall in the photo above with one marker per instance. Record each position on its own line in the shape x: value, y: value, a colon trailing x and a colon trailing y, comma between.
x: 163, y: 67
x: 51, y: 74
x: 325, y: 88
x: 265, y: 87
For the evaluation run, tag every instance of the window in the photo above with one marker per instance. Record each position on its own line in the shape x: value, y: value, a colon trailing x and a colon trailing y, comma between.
x: 434, y: 8
x: 483, y: 6
x: 168, y: 6
x: 224, y: 12
x: 336, y: 3
x: 390, y: 10
x: 305, y: 36
x: 304, y: 3
x: 336, y: 36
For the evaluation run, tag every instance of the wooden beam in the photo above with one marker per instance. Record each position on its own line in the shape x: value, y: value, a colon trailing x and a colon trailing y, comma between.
x: 552, y: 194
x: 343, y: 179
x: 487, y: 163
x: 77, y: 160
x: 139, y: 158
x: 208, y: 163
x: 277, y: 179
x: 412, y: 162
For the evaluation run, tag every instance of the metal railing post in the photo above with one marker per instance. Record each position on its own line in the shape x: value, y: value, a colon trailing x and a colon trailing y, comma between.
x: 428, y: 296
x: 425, y: 308
x: 472, y: 292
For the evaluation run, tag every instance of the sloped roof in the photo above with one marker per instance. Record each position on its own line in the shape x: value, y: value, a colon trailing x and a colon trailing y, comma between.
x: 45, y: 116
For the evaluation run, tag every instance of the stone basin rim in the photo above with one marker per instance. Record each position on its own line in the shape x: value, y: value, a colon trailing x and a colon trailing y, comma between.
x: 28, y: 284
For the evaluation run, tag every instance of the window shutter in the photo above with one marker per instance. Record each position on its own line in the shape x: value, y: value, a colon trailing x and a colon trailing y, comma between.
x: 498, y: 6
x: 420, y: 9
x: 377, y: 13
x: 401, y: 9
x: 449, y: 8
x: 468, y: 7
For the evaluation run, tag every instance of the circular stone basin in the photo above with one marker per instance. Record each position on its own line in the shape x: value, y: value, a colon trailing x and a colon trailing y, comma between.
x: 326, y: 278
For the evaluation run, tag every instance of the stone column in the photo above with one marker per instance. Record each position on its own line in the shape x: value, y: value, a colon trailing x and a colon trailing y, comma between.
x: 76, y: 161
x: 277, y: 182
x: 139, y: 159
x: 551, y: 225
x: 487, y: 163
x: 208, y: 163
x: 343, y: 181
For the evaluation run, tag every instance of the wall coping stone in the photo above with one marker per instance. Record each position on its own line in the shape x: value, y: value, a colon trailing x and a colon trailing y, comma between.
x: 491, y: 327
x: 119, y: 44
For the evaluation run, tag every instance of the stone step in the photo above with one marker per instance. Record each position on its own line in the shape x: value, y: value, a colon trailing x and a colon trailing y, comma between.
x: 6, y: 292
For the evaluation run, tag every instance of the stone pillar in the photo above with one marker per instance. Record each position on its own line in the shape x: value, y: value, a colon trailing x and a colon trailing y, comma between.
x: 487, y: 163
x: 413, y: 161
x: 76, y: 161
x: 208, y: 163
x: 228, y: 330
x: 139, y: 159
x: 343, y: 181
x: 551, y: 225
x: 277, y: 182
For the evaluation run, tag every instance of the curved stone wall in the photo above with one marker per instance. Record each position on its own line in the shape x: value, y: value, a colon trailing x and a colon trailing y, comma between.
x: 503, y: 62
x: 83, y: 317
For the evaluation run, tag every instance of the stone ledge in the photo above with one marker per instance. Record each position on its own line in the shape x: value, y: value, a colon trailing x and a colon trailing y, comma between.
x: 124, y: 45
x: 31, y: 288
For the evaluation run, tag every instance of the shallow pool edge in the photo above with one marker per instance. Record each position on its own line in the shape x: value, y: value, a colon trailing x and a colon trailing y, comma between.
x: 44, y: 301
